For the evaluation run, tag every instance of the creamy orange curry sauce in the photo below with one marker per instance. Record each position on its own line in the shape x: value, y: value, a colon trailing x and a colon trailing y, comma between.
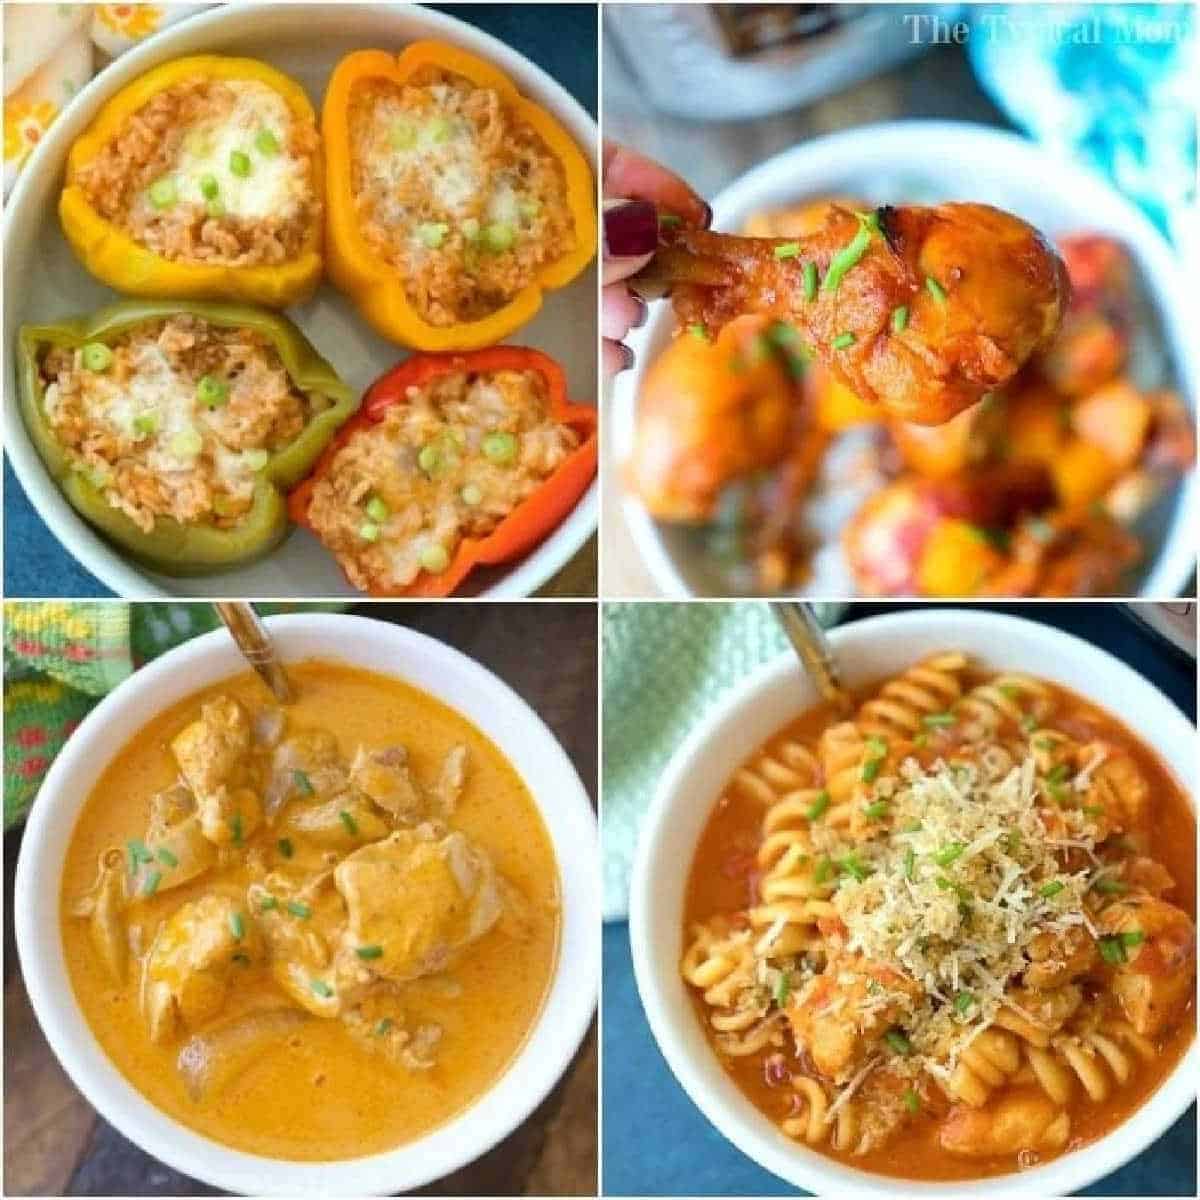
x: 315, y: 932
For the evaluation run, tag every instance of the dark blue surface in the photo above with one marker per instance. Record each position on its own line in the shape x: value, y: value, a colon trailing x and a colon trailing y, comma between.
x: 560, y: 38
x: 656, y: 1142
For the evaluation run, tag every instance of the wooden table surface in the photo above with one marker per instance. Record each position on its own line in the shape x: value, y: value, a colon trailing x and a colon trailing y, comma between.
x: 56, y: 1144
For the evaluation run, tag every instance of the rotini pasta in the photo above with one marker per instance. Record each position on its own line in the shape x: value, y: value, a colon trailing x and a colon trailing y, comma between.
x: 940, y: 939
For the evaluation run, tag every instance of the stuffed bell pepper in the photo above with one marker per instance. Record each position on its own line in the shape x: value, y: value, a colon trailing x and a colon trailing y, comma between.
x: 455, y: 461
x: 453, y: 201
x: 176, y: 427
x: 201, y: 180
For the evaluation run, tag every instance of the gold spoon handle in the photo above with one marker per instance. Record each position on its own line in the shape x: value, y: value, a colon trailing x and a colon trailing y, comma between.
x: 254, y: 642
x: 813, y: 649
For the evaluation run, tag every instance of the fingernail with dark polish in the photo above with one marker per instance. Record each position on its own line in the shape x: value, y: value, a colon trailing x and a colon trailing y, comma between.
x: 706, y: 219
x: 631, y: 229
x: 627, y: 357
x: 643, y: 313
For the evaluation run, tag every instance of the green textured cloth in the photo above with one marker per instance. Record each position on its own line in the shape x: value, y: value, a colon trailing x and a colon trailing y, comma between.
x: 62, y: 657
x: 665, y: 665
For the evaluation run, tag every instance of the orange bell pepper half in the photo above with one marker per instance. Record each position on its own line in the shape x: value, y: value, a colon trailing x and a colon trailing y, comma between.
x: 534, y: 518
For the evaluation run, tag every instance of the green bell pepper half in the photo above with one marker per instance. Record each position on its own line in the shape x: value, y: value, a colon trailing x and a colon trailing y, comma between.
x: 172, y: 547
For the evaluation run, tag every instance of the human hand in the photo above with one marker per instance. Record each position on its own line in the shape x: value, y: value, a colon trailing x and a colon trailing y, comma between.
x: 637, y: 191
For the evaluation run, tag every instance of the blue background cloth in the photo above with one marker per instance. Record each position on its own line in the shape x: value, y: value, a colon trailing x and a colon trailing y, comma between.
x: 656, y: 1142
x: 560, y: 38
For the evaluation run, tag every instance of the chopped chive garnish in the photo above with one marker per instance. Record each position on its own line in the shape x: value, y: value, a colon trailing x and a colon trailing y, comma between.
x: 1029, y: 723
x: 877, y: 747
x: 235, y: 826
x: 824, y: 871
x: 942, y: 720
x: 900, y: 319
x: 239, y: 164
x: 1135, y: 937
x: 876, y: 810
x: 1013, y: 840
x: 321, y: 988
x: 783, y: 985
x: 150, y: 886
x: 910, y: 865
x: 921, y: 741
x: 935, y: 289
x: 369, y: 951
x: 699, y: 331
x: 383, y: 1026
x: 1051, y: 889
x: 137, y: 854
x: 349, y: 822
x: 1110, y: 887
x: 816, y: 810
x: 265, y: 142
x: 285, y: 847
x: 1112, y: 950
x: 948, y: 854
x: 237, y: 926
x: 297, y: 909
x: 165, y: 857
x: 96, y: 356
x: 302, y: 783
x: 843, y: 341
x: 267, y: 903
x: 848, y: 256
x: 963, y: 1001
x: 912, y: 1101
x: 870, y: 771
x: 851, y: 865
x: 810, y: 281
x: 1058, y: 774
x: 897, y: 1041
x: 943, y: 883
x: 668, y: 220
x: 787, y: 250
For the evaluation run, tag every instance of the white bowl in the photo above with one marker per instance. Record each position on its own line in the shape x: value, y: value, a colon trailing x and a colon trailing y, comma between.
x: 763, y: 704
x: 43, y: 281
x: 455, y: 680
x: 931, y: 161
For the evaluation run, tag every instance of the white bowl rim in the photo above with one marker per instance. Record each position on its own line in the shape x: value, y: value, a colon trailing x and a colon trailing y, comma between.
x: 108, y: 564
x: 537, y: 1065
x: 754, y: 1135
x: 1165, y: 277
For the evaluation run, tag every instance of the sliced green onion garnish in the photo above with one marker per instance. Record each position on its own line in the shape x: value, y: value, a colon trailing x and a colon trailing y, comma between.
x: 297, y: 909
x: 910, y: 865
x: 321, y: 988
x: 948, y: 854
x: 235, y: 825
x: 1110, y: 887
x: 369, y: 531
x: 267, y: 903
x: 239, y: 164
x: 429, y: 458
x: 871, y: 769
x: 302, y: 783
x: 1135, y: 937
x: 897, y: 1041
x: 668, y: 220
x: 499, y: 236
x: 351, y: 825
x: 940, y: 720
x: 210, y: 189
x: 383, y: 1026
x: 285, y: 847
x: 699, y: 331
x: 875, y: 810
x: 787, y: 250
x: 377, y: 509
x: 137, y: 853
x: 824, y: 871
x: 96, y: 356
x: 212, y: 392
x: 1029, y: 723
x: 963, y: 1001
x: 266, y: 143
x: 1112, y: 950
x: 783, y: 986
x: 369, y: 951
x: 499, y: 448
x: 1058, y: 774
x: 1047, y: 890
x: 471, y: 495
x: 912, y: 1102
x: 433, y: 233
x: 842, y: 341
x: 151, y: 882
x: 163, y: 193
x: 900, y: 318
x: 165, y: 857
x: 847, y: 257
x: 935, y: 289
x: 810, y: 281
x: 237, y: 925
x: 816, y: 810
x: 146, y: 423
x: 852, y: 865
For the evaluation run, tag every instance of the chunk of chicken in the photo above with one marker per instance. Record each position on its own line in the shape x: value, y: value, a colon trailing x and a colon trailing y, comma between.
x: 189, y: 968
x: 1118, y: 786
x: 211, y: 751
x: 1158, y: 940
x: 1058, y: 958
x: 997, y: 296
x: 414, y: 901
x: 344, y: 822
x: 178, y: 848
x: 384, y: 776
x: 830, y: 1019
x: 1013, y: 1123
x: 103, y: 904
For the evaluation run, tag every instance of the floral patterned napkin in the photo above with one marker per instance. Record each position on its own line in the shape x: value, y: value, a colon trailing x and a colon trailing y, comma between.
x: 52, y: 50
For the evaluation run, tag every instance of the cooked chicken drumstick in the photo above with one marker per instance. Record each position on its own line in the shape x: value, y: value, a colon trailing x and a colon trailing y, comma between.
x: 920, y: 310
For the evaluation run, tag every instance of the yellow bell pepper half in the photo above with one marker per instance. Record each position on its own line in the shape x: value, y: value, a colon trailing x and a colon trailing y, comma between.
x: 377, y: 288
x: 114, y: 257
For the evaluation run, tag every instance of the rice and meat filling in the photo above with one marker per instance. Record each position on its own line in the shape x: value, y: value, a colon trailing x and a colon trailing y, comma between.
x: 211, y: 171
x: 453, y: 190
x: 449, y: 462
x: 174, y: 419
